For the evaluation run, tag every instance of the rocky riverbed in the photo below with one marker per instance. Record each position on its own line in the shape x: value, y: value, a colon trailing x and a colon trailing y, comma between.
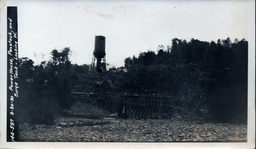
x: 67, y: 129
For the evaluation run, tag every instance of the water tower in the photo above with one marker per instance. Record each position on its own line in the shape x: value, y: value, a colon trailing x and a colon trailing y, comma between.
x: 99, y: 54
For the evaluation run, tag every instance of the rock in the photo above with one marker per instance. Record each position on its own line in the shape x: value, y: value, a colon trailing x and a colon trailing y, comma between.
x: 63, y: 124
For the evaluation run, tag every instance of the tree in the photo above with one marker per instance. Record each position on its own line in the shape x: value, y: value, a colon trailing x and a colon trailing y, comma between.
x: 26, y: 66
x: 147, y: 58
x: 174, y: 51
x: 59, y: 70
x: 128, y: 62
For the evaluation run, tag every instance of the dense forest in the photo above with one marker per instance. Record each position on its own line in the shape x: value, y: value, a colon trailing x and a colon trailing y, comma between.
x: 207, y: 79
x: 198, y: 73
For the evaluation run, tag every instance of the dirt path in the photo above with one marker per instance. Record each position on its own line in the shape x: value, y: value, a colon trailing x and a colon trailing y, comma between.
x: 128, y: 130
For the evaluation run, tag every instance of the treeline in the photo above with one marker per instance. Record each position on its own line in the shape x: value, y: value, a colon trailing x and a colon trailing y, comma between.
x: 221, y: 54
x: 204, y: 76
x: 45, y: 89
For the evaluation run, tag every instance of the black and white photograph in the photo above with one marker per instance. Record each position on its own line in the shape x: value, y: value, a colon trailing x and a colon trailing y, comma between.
x: 124, y: 74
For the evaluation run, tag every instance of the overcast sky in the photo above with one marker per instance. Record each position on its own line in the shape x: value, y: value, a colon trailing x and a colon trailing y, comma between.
x: 129, y: 27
